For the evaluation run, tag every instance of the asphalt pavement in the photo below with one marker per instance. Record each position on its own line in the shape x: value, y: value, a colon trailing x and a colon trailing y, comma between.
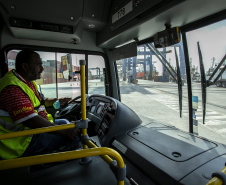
x: 158, y: 101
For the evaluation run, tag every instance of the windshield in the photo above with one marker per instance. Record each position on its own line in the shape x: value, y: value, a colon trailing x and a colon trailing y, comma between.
x: 150, y: 87
x: 212, y: 43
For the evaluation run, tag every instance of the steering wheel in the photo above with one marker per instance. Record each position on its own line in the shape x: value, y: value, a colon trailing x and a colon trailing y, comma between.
x: 73, y: 105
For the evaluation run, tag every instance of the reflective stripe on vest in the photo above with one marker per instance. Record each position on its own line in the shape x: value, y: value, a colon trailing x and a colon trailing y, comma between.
x: 3, y: 113
x: 13, y: 147
x: 11, y: 127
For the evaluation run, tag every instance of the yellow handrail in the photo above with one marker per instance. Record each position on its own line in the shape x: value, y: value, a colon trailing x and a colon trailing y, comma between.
x: 36, y: 131
x: 83, y: 92
x: 106, y: 158
x: 216, y: 180
x: 48, y: 158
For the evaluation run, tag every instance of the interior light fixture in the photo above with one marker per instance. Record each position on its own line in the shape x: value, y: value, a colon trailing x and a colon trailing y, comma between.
x: 91, y: 26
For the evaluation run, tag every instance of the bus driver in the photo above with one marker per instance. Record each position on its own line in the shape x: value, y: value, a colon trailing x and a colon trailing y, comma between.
x: 20, y: 109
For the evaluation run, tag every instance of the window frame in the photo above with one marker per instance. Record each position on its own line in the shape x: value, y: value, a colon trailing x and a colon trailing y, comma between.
x: 7, y: 48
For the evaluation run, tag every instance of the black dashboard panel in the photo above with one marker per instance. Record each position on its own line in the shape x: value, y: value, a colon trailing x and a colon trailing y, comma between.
x: 204, y: 174
x: 155, y: 153
x: 169, y: 156
x: 177, y: 146
x: 101, y: 111
x: 111, y: 117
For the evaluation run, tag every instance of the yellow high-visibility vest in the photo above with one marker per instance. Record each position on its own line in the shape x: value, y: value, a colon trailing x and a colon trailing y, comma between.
x: 15, y: 147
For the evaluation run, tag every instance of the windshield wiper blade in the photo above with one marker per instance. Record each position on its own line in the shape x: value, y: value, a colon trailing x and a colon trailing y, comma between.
x: 162, y: 60
x: 214, y: 72
x: 219, y: 75
x: 179, y: 82
x: 203, y: 83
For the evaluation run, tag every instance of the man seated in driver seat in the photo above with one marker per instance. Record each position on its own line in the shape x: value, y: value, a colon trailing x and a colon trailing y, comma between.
x: 20, y: 109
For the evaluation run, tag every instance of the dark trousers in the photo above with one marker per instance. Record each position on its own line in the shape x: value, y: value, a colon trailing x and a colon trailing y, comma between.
x: 47, y: 143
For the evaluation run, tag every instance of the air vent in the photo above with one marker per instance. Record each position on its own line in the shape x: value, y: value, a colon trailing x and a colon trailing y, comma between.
x: 23, y: 23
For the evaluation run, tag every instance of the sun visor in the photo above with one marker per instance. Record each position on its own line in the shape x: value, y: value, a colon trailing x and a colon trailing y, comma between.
x: 126, y: 51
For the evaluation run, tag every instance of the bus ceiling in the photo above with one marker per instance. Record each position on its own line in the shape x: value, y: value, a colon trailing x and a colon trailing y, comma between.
x: 114, y: 22
x: 54, y: 20
x: 147, y: 18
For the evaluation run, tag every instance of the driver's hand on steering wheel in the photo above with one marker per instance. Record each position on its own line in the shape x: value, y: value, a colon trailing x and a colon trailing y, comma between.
x: 64, y: 101
x: 72, y: 133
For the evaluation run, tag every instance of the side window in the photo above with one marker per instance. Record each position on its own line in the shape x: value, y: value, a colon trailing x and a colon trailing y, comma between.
x: 47, y: 83
x: 96, y: 65
x: 68, y: 81
x: 60, y: 77
x: 48, y: 78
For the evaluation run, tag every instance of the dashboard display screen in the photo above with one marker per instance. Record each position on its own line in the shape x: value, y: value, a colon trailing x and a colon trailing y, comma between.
x: 99, y: 109
x: 93, y: 108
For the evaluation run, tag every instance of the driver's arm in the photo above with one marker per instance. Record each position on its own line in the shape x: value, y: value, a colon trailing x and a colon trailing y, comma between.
x: 39, y: 122
x: 13, y: 98
x: 49, y: 101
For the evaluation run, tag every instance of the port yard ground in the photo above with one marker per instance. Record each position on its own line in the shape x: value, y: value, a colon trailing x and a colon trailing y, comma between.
x: 153, y: 100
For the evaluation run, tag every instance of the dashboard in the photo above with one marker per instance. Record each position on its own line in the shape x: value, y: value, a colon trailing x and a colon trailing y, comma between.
x: 110, y: 117
x: 171, y: 156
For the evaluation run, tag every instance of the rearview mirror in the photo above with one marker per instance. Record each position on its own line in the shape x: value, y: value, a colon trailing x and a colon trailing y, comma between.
x: 168, y: 37
x: 126, y: 51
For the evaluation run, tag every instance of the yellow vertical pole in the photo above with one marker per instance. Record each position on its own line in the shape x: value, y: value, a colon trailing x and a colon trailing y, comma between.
x: 83, y: 107
x: 83, y: 95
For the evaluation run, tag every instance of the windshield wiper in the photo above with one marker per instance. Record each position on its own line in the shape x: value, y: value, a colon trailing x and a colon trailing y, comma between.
x: 203, y: 83
x: 170, y: 69
x: 219, y: 75
x: 179, y: 83
x: 214, y: 72
x: 163, y: 61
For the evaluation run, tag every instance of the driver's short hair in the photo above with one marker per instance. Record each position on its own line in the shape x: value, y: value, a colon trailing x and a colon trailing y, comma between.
x: 24, y: 56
